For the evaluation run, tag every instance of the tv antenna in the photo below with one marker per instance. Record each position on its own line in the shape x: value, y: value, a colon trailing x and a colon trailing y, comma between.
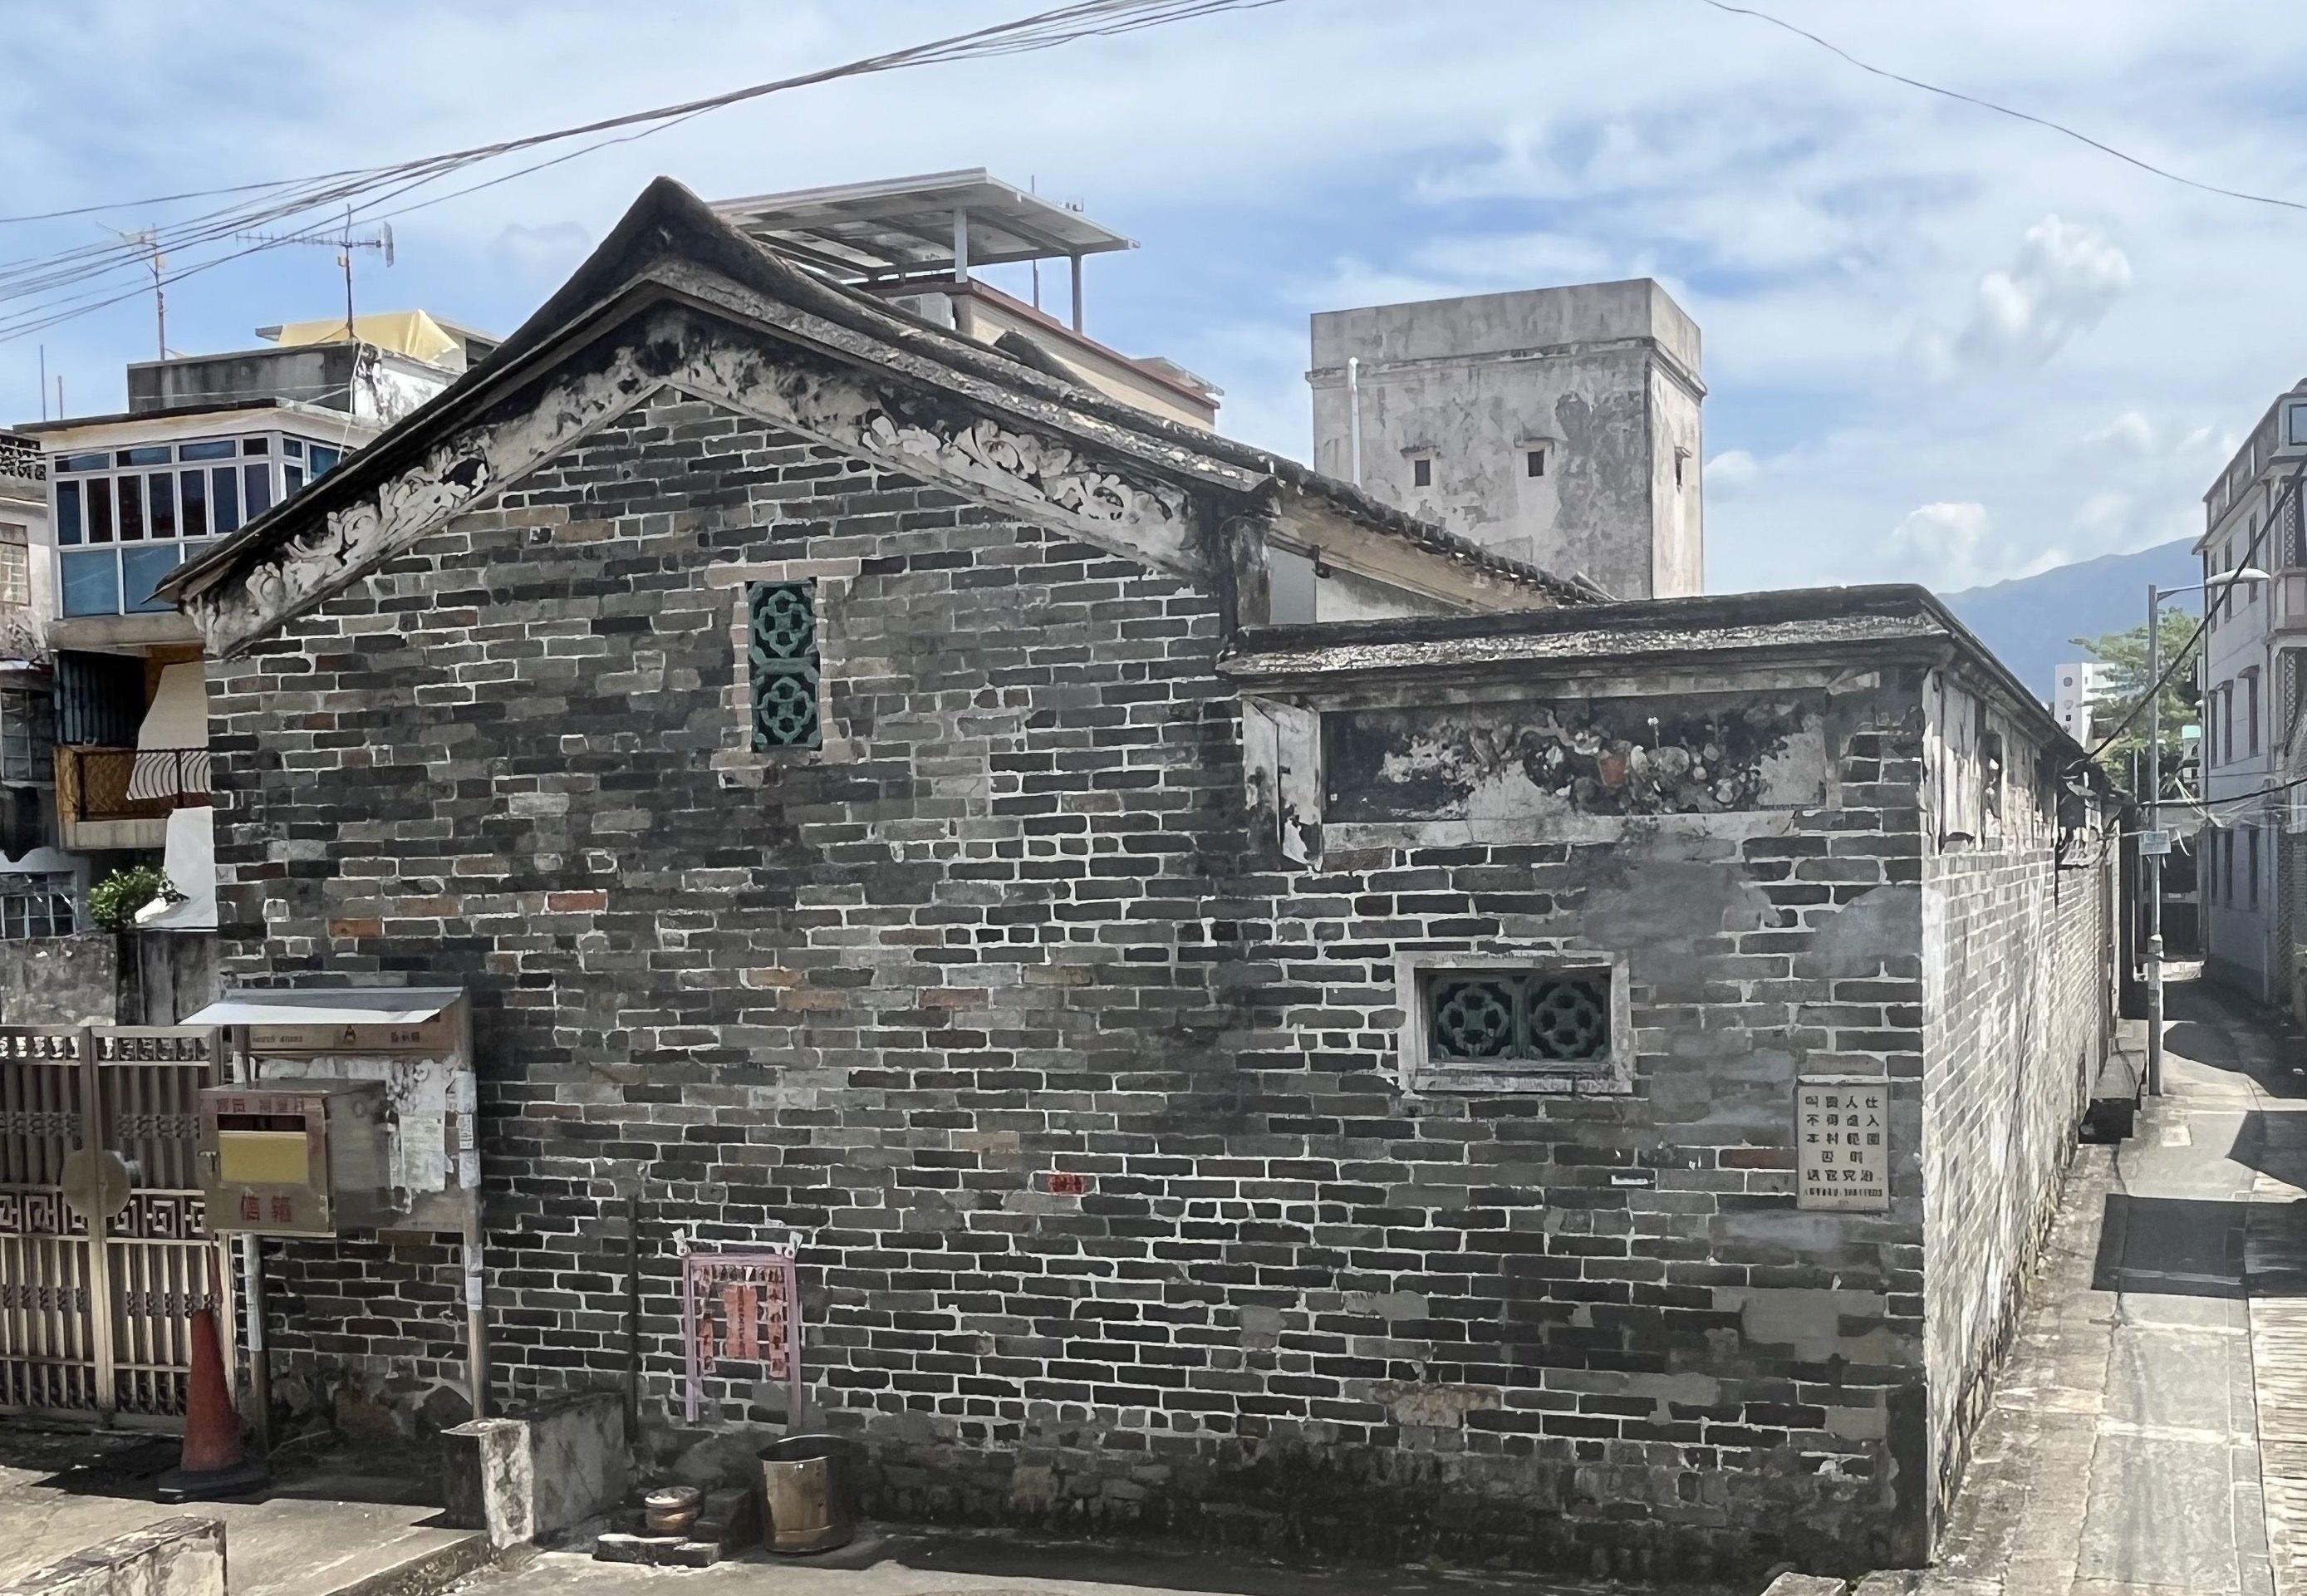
x: 145, y: 238
x: 344, y: 243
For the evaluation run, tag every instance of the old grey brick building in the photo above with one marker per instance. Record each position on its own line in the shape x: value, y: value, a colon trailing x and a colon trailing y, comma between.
x: 1516, y: 1076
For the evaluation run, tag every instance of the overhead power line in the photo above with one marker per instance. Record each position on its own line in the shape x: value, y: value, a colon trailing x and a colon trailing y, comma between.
x: 2060, y: 128
x: 61, y: 286
x: 2211, y: 597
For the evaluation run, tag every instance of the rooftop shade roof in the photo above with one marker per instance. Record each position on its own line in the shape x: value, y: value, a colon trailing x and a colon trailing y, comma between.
x: 905, y: 224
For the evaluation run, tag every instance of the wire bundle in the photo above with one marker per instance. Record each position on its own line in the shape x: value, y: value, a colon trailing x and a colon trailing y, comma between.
x: 46, y: 290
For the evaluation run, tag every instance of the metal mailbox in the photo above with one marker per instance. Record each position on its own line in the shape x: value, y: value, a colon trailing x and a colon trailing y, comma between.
x: 356, y: 1110
x: 412, y: 1047
x: 295, y: 1157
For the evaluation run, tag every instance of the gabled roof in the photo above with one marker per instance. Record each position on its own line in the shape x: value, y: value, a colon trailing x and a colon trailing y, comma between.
x: 668, y: 225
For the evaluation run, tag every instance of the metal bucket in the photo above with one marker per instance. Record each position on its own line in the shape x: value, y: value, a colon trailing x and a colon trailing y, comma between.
x: 805, y: 1494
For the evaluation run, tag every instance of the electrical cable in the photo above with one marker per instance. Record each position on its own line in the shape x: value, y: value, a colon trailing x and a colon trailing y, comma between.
x: 1988, y: 105
x: 357, y: 189
x: 2211, y: 597
x: 1039, y: 31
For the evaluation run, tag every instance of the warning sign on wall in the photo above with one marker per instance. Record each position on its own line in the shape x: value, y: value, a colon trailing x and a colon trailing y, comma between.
x: 1842, y: 1143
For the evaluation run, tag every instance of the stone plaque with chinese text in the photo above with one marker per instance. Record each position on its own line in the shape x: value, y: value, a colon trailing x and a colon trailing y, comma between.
x: 1843, y: 1142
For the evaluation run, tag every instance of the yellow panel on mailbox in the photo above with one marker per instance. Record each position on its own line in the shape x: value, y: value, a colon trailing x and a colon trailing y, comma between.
x: 264, y: 1157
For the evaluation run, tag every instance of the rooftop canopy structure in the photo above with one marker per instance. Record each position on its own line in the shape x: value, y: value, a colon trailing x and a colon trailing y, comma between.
x: 939, y: 225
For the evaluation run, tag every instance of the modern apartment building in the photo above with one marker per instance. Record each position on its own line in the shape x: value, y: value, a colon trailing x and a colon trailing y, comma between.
x: 207, y: 443
x: 2254, y: 652
x: 2080, y: 685
x: 38, y: 883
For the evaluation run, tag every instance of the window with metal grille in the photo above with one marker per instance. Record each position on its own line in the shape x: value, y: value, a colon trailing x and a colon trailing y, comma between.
x: 35, y: 906
x: 782, y: 651
x: 15, y: 565
x: 25, y: 754
x: 1517, y: 1016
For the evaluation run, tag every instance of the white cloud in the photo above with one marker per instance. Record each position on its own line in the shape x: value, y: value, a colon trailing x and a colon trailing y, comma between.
x: 1949, y: 546
x: 2130, y: 433
x: 546, y: 253
x: 1524, y: 259
x: 2061, y: 284
x: 1812, y: 218
x: 1731, y: 470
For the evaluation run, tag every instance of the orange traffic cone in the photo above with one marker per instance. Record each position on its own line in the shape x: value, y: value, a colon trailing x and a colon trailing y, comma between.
x: 213, y: 1463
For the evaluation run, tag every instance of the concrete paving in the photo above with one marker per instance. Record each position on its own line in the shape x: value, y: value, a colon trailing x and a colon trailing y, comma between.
x: 888, y: 1561
x: 2127, y: 1450
x: 331, y: 1530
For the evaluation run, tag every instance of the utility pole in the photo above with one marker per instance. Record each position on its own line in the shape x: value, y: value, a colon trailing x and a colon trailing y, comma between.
x: 2154, y: 824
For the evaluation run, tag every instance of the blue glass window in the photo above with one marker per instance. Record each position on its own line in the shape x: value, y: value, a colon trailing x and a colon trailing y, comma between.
x: 160, y: 489
x: 193, y: 487
x: 227, y: 499
x: 67, y: 513
x: 141, y: 570
x: 92, y: 582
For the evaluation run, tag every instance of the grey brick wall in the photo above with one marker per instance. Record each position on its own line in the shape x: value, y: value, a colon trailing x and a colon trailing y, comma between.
x: 2018, y: 947
x: 1016, y: 920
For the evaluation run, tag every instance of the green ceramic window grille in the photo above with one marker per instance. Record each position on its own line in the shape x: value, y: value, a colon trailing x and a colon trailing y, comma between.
x: 783, y: 651
x: 1518, y: 1017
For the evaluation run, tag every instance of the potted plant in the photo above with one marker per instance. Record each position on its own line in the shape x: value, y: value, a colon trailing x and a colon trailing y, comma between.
x: 113, y: 902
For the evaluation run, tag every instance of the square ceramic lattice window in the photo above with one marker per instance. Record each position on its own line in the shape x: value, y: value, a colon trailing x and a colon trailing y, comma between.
x: 1516, y: 1026
x: 781, y: 650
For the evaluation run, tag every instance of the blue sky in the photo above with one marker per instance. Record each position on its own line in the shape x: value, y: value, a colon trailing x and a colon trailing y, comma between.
x: 1942, y: 346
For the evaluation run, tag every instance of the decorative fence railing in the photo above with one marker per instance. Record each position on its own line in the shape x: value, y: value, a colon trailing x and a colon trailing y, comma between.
x: 130, y: 784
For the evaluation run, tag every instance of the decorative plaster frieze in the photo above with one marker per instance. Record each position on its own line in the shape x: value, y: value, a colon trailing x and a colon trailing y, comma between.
x: 943, y: 439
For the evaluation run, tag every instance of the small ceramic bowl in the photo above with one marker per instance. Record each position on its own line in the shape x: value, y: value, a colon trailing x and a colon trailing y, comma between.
x: 671, y: 1509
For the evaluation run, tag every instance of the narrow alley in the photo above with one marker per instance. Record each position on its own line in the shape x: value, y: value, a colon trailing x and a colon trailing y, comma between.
x: 2152, y: 1427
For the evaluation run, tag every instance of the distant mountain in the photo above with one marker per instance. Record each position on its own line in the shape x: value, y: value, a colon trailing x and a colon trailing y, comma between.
x: 2028, y: 621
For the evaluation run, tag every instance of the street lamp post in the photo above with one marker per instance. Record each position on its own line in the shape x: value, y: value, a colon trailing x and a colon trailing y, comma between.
x: 2154, y: 598
x: 2210, y: 590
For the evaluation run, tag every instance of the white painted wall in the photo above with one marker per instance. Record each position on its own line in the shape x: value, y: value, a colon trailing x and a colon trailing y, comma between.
x: 1603, y: 378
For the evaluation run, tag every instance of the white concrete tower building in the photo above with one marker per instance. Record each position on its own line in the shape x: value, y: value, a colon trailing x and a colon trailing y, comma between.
x: 1556, y: 425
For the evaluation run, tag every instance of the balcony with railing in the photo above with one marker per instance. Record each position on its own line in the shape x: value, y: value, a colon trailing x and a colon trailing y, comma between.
x: 21, y: 458
x: 123, y: 797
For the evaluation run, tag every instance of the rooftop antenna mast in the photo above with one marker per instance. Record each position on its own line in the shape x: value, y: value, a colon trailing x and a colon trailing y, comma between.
x: 344, y: 244
x: 147, y: 239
